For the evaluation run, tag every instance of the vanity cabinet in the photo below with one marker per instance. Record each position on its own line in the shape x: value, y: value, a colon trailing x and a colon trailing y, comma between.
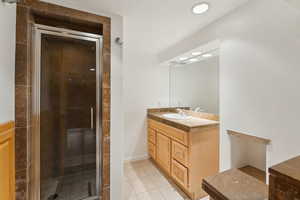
x: 152, y: 150
x: 163, y: 149
x: 180, y: 173
x: 152, y: 143
x: 7, y: 161
x: 180, y: 153
x: 186, y: 156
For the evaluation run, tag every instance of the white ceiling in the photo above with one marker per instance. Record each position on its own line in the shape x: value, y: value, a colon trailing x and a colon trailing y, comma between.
x: 166, y: 22
x: 160, y: 23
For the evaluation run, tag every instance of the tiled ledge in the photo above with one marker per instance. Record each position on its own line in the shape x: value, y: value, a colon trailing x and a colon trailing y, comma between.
x: 249, y: 137
x: 235, y: 185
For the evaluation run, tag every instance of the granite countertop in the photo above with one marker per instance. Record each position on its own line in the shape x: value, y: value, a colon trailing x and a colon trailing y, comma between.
x: 186, y: 124
x: 235, y: 185
x: 290, y: 168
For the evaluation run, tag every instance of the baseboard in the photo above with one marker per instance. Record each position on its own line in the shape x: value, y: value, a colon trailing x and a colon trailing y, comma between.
x: 136, y: 158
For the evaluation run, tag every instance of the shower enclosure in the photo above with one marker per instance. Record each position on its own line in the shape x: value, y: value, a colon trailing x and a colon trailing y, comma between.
x: 67, y: 102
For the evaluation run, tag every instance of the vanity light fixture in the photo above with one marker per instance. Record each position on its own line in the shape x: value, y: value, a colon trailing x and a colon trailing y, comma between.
x: 200, y: 8
x: 183, y: 58
x: 197, y: 53
x: 207, y: 55
x: 92, y: 69
x: 193, y: 60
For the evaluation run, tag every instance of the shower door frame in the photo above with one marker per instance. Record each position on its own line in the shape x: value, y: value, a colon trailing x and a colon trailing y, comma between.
x: 38, y: 31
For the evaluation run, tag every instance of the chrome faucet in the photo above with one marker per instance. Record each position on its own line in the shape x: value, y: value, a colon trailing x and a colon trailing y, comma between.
x: 198, y: 109
x: 181, y: 112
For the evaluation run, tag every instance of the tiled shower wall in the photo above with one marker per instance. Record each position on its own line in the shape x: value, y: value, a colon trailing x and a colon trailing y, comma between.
x: 22, y: 103
x: 23, y: 88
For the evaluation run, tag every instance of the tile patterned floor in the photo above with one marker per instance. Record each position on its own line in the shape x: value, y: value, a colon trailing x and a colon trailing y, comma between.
x: 143, y: 181
x: 75, y: 187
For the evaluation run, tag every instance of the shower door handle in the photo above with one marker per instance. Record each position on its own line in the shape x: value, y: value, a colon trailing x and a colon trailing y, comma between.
x: 92, y: 118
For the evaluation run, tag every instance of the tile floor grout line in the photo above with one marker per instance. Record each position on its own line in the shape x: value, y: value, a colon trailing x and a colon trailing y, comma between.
x: 145, y: 180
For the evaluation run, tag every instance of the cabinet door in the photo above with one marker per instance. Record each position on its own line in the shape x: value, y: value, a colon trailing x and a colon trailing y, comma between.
x: 152, y: 135
x: 180, y: 174
x: 152, y: 150
x: 163, y: 153
x: 7, y: 163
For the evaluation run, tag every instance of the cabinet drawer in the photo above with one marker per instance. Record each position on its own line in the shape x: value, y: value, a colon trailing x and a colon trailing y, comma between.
x: 180, y: 174
x: 180, y: 153
x: 152, y: 150
x: 174, y: 133
x: 179, y: 136
x: 152, y: 135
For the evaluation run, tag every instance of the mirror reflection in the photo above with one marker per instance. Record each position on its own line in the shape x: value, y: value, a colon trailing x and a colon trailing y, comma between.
x: 194, y: 83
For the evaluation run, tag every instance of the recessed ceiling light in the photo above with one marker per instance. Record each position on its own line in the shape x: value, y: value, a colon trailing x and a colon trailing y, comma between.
x: 207, y: 55
x: 200, y: 8
x: 197, y: 53
x: 193, y: 60
x: 183, y: 58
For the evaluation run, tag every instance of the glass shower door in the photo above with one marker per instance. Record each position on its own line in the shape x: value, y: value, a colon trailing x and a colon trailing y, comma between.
x: 69, y: 87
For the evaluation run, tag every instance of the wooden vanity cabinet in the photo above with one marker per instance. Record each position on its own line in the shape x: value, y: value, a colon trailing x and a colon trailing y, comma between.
x: 180, y: 174
x: 7, y: 161
x: 180, y: 153
x: 152, y: 150
x: 152, y: 143
x: 163, y: 149
x: 185, y: 156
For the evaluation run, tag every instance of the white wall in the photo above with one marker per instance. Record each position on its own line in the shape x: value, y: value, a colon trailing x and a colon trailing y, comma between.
x: 117, y: 121
x: 7, y: 62
x: 196, y: 85
x: 247, y: 152
x: 146, y: 85
x: 117, y: 111
x: 257, y: 153
x: 259, y: 74
x: 294, y: 3
x: 259, y: 77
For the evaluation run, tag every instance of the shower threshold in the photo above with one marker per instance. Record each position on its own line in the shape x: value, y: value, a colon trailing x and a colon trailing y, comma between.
x: 79, y: 186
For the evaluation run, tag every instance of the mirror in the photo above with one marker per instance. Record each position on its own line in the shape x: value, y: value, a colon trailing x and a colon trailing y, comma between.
x: 194, y: 83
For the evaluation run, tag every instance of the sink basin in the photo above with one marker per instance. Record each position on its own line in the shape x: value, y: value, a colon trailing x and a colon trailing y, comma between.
x: 176, y: 116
